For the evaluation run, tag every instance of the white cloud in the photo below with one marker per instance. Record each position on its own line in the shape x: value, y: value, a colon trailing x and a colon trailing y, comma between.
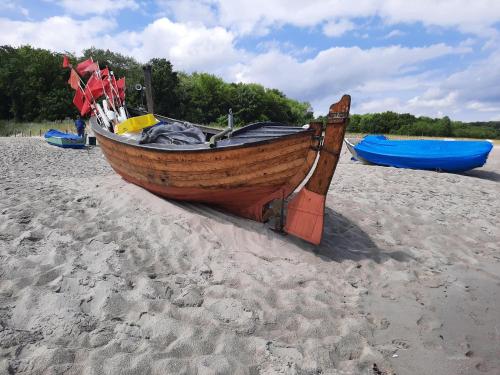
x: 60, y: 33
x: 14, y: 6
x: 84, y: 7
x: 394, y: 34
x: 483, y: 107
x: 435, y: 103
x: 417, y: 105
x: 337, y: 28
x: 475, y: 17
x: 286, y: 47
x: 470, y: 94
x: 338, y: 70
x: 25, y: 12
x: 479, y: 82
x: 190, y: 47
x: 8, y: 5
x: 379, y: 79
x: 257, y: 16
x: 192, y: 11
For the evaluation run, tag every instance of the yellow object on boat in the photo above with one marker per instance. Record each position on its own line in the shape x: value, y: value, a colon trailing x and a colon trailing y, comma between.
x: 134, y: 124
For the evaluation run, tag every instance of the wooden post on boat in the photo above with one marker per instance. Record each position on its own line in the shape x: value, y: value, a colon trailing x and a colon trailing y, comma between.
x: 149, y: 89
x: 306, y: 210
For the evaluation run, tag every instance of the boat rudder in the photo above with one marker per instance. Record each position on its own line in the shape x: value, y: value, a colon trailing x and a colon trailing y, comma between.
x: 305, y: 216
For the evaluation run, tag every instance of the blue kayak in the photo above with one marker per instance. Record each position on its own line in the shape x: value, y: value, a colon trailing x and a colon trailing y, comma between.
x: 65, y: 140
x: 436, y: 155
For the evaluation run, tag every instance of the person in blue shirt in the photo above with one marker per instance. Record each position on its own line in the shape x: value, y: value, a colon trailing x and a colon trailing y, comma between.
x: 80, y: 126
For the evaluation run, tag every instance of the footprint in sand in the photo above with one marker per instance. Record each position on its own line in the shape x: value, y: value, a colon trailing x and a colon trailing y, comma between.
x: 401, y: 344
x: 349, y: 348
x: 384, y: 323
x: 191, y: 296
x: 428, y: 327
x: 482, y: 367
x: 232, y: 312
x: 388, y: 349
x: 427, y: 324
x: 477, y: 321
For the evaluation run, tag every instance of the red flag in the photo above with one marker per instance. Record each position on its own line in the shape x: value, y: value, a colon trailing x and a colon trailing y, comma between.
x: 66, y: 63
x: 85, y: 108
x: 91, y: 68
x: 81, y: 68
x: 112, y: 92
x: 104, y: 73
x: 120, y: 84
x: 79, y: 100
x: 95, y: 87
x: 74, y: 79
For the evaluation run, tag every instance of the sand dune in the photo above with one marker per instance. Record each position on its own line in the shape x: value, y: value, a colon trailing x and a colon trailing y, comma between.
x: 98, y: 276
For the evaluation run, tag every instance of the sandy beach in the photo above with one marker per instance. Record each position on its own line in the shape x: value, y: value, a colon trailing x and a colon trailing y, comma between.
x: 98, y: 276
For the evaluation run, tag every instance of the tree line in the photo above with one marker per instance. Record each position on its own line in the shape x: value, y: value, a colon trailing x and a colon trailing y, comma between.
x: 33, y: 87
x: 408, y: 124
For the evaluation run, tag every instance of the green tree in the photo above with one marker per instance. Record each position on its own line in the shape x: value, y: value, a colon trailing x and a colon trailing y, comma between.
x: 204, y: 97
x: 33, y: 85
x: 165, y: 87
x: 446, y: 125
x: 354, y: 124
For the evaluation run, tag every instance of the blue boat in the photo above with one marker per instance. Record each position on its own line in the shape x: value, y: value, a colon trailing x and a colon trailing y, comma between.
x: 435, y: 155
x: 65, y: 140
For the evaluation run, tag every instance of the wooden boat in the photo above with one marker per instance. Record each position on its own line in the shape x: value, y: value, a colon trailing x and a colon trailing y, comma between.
x: 64, y: 140
x: 250, y: 174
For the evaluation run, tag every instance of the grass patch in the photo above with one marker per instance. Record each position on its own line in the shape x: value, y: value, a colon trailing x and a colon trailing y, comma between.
x: 34, y: 129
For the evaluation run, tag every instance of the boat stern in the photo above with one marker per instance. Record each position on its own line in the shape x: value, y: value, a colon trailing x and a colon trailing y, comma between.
x: 306, y: 210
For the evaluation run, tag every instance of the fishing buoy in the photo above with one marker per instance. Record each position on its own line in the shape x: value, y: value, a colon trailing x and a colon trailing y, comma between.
x: 103, y: 116
x: 122, y: 116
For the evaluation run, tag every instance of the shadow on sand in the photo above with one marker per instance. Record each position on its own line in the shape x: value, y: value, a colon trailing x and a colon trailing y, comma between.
x: 484, y: 175
x: 342, y: 238
x: 345, y: 240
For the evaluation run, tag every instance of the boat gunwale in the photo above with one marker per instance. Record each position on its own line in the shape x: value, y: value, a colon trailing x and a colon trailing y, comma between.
x: 202, y: 147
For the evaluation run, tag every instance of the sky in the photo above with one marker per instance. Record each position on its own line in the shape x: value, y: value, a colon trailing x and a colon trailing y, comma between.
x: 427, y: 57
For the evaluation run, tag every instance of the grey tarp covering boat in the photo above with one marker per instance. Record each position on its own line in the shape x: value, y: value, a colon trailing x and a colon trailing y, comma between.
x: 174, y: 133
